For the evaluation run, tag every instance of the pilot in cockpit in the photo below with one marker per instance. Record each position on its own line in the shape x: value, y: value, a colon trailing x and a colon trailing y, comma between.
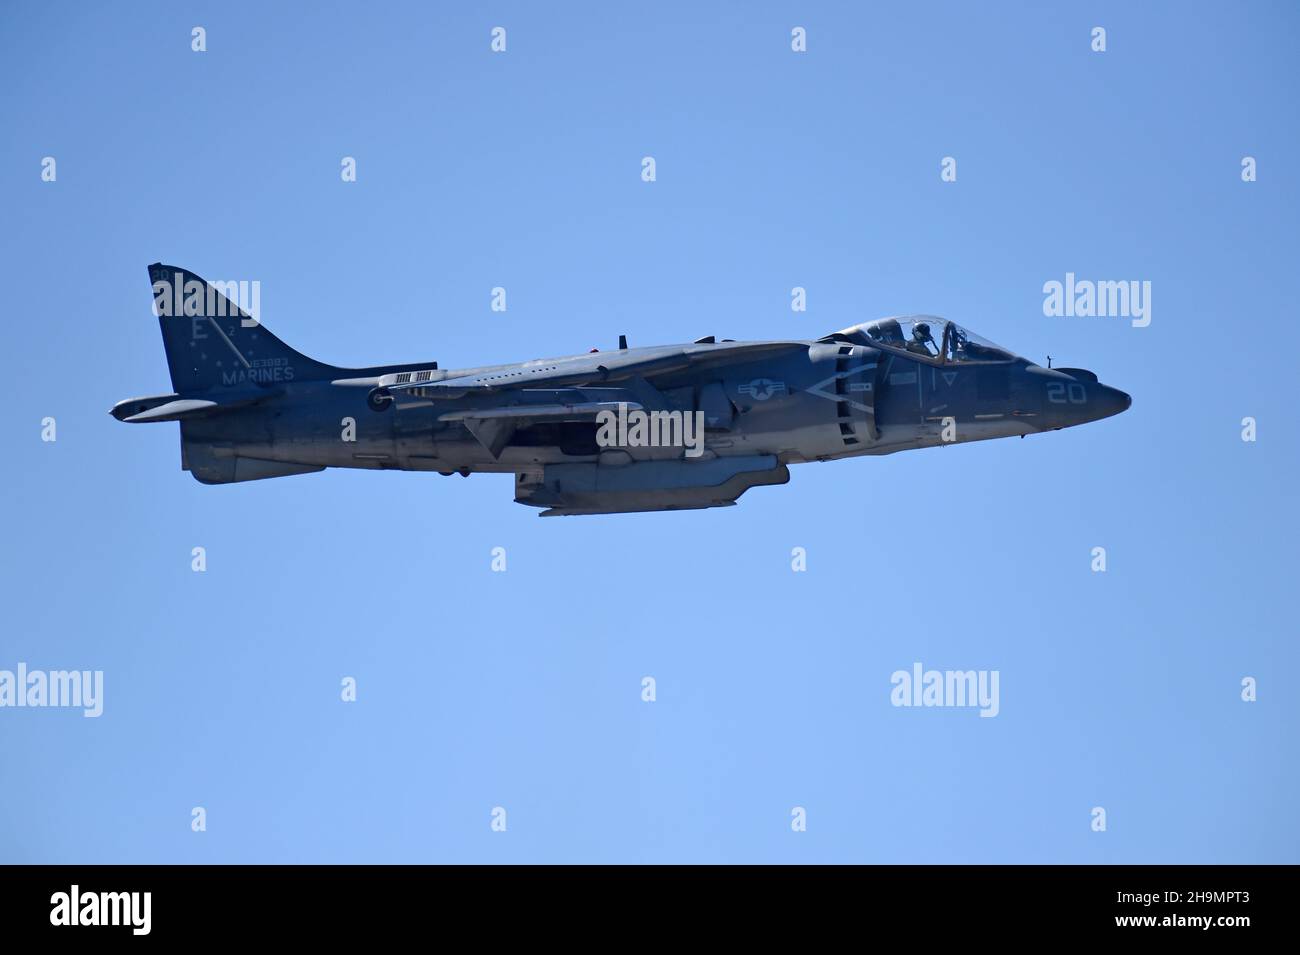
x: 921, y: 340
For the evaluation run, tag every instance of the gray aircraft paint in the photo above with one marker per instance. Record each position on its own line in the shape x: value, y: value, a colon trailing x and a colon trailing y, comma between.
x: 250, y: 407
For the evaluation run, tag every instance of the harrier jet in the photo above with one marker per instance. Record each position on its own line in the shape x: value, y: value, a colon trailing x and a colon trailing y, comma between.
x: 669, y: 427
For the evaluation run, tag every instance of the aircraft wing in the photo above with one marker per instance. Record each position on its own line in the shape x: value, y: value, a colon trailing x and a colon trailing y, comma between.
x: 577, y: 388
x: 575, y: 411
x: 596, y: 368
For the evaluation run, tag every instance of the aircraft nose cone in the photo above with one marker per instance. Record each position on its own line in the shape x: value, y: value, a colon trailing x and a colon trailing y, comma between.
x: 1112, y: 401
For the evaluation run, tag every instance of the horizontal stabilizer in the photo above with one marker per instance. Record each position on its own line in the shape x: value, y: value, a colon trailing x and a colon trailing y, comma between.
x: 173, y: 410
x: 176, y: 408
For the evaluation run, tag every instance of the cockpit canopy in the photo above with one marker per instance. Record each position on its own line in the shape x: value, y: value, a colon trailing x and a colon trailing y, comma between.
x: 925, y: 336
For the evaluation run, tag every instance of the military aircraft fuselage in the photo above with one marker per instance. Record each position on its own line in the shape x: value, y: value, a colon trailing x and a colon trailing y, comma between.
x: 658, y: 428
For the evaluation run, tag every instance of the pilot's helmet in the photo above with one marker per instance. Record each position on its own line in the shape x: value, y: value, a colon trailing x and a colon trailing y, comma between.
x: 921, y: 331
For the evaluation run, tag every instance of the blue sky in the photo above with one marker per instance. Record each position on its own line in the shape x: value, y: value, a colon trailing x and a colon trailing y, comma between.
x: 523, y: 689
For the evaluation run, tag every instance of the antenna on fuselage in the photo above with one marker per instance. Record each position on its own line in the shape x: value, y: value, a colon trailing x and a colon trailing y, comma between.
x: 622, y: 343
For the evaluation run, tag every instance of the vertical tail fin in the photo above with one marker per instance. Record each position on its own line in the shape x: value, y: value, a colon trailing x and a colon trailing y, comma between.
x: 211, y: 342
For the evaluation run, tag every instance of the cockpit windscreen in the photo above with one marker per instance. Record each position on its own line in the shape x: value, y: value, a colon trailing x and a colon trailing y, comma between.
x: 927, y: 337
